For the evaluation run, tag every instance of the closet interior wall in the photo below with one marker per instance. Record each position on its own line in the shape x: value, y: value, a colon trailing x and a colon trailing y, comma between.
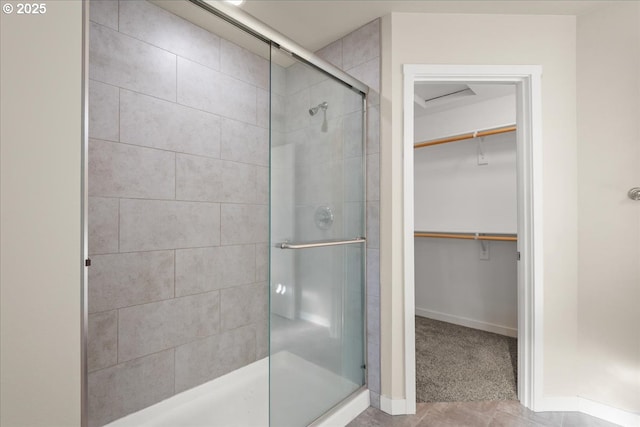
x: 454, y: 194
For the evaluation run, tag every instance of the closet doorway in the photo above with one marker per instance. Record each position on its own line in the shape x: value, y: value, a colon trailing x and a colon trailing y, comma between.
x: 471, y: 313
x: 465, y: 247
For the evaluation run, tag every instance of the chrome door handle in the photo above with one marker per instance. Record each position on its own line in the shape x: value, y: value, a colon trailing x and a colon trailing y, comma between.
x: 634, y: 193
x: 320, y: 243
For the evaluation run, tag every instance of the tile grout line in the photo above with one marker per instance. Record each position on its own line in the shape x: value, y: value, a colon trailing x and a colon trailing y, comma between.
x: 195, y: 61
x: 179, y: 104
x: 119, y: 219
x: 225, y: 288
x: 177, y: 79
x: 117, y: 337
x: 165, y: 150
x: 119, y: 113
x: 226, y: 245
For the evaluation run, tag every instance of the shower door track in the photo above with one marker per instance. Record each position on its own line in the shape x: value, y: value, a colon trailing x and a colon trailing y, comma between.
x: 269, y: 35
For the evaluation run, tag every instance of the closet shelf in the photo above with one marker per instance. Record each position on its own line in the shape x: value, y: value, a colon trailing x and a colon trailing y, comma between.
x: 468, y: 236
x: 477, y: 134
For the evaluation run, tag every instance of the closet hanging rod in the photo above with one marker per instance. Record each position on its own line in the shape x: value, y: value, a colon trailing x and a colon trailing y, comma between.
x: 469, y: 236
x: 462, y: 137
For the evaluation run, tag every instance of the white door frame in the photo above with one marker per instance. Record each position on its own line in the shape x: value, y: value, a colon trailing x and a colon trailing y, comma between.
x: 527, y: 79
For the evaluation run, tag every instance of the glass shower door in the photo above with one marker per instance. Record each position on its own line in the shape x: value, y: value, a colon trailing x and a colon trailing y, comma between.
x: 317, y: 251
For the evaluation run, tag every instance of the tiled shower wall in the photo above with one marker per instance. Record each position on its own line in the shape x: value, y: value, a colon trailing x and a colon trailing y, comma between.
x: 327, y: 165
x: 358, y: 53
x: 178, y: 207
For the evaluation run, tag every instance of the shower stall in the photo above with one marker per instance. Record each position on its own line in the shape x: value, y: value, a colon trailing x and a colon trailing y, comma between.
x: 226, y: 222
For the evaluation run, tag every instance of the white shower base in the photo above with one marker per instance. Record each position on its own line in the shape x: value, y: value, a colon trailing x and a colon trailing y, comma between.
x: 241, y: 398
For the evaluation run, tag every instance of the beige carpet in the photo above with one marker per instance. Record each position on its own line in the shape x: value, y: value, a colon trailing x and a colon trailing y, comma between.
x: 456, y: 364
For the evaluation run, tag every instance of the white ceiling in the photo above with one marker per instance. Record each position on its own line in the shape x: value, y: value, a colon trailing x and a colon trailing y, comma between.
x: 316, y: 23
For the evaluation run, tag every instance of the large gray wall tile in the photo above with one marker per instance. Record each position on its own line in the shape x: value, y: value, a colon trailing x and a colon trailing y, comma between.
x: 148, y: 328
x: 149, y: 23
x: 353, y: 224
x: 244, y: 65
x: 373, y: 224
x: 339, y: 99
x: 215, y: 92
x: 207, y: 269
x: 373, y: 129
x: 332, y: 53
x: 368, y: 73
x: 361, y: 45
x: 278, y: 78
x: 103, y: 111
x: 262, y: 339
x: 244, y: 143
x: 120, y: 170
x: 122, y: 389
x: 157, y: 224
x: 237, y: 264
x: 122, y: 280
x: 212, y: 180
x: 312, y: 186
x: 354, y: 180
x: 352, y: 135
x: 373, y: 343
x: 209, y: 358
x: 373, y: 272
x: 314, y: 147
x: 244, y: 224
x: 373, y: 177
x: 125, y: 62
x: 104, y: 12
x: 262, y: 262
x: 242, y: 305
x: 102, y: 340
x: 300, y: 77
x: 296, y: 111
x: 103, y: 225
x: 263, y: 112
x: 278, y: 113
x: 152, y: 122
x: 262, y: 185
x: 375, y: 399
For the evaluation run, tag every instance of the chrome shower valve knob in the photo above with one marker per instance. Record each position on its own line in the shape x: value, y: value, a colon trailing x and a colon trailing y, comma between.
x: 634, y: 193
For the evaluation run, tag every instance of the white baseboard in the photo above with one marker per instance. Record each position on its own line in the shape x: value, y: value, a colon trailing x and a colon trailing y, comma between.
x: 470, y: 323
x: 586, y: 406
x: 556, y: 404
x: 611, y: 414
x: 393, y: 406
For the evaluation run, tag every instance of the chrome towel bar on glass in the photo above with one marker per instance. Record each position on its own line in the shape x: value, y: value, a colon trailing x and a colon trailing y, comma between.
x: 320, y: 243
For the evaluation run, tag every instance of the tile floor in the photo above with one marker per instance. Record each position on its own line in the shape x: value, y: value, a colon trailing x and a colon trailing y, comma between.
x: 507, y: 413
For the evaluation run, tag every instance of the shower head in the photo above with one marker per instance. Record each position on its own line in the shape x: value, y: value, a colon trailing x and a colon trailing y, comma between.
x: 322, y: 106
